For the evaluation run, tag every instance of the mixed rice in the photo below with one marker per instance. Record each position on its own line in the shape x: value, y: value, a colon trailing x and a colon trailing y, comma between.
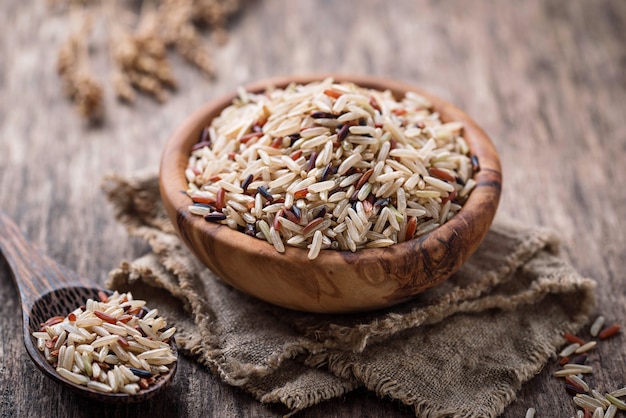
x: 330, y: 165
x: 110, y: 345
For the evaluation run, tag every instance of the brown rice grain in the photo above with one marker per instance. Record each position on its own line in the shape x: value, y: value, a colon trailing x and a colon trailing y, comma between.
x: 78, y: 361
x: 111, y: 359
x: 569, y: 350
x: 167, y: 333
x: 68, y: 359
x: 604, y: 401
x: 112, y: 381
x: 155, y: 353
x: 380, y: 243
x: 276, y: 240
x: 586, y: 347
x: 621, y: 405
x: 597, y: 325
x: 315, y: 245
x: 104, y: 351
x: 72, y: 377
x: 99, y: 330
x: 619, y: 392
x: 582, y: 367
x: 587, y: 402
x: 95, y: 370
x: 568, y: 372
x: 610, y: 412
x: 99, y: 386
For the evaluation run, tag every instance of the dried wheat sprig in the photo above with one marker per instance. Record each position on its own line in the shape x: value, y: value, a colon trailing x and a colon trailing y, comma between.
x: 79, y: 83
x: 189, y: 46
x: 140, y: 55
x: 141, y: 61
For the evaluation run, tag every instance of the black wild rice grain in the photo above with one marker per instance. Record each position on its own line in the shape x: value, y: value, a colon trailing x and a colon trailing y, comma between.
x: 140, y: 373
x: 200, y: 145
x: 312, y: 160
x: 475, y: 163
x: 327, y: 170
x: 251, y: 230
x: 296, y: 212
x: 321, y: 213
x: 265, y: 193
x: 215, y: 216
x: 247, y: 182
x: 342, y: 133
x: 573, y: 389
x: 204, y: 135
x: 323, y: 115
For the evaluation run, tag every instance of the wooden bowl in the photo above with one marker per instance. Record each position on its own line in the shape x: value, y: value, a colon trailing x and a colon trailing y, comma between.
x: 336, y: 281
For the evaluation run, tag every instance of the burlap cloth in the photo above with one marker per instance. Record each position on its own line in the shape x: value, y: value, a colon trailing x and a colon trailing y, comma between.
x: 462, y: 349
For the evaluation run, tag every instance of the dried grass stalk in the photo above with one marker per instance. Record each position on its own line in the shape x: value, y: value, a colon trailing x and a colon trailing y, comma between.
x: 140, y: 55
x: 141, y: 62
x: 79, y: 83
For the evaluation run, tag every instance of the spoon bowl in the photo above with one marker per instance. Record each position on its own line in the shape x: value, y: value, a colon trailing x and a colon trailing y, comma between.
x: 49, y: 289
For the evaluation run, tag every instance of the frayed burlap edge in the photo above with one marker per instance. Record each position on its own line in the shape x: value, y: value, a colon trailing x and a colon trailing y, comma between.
x: 140, y: 215
x: 561, y: 282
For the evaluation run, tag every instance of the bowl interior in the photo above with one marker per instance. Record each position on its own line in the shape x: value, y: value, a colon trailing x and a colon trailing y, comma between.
x: 337, y: 281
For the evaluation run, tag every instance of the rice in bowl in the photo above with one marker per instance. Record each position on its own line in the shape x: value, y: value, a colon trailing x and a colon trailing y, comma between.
x: 328, y: 165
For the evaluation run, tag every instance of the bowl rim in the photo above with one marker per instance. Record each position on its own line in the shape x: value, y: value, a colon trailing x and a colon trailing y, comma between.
x: 173, y: 183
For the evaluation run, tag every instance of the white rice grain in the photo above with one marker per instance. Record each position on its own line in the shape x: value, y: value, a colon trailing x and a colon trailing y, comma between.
x: 76, y: 378
x: 597, y: 325
x: 315, y: 246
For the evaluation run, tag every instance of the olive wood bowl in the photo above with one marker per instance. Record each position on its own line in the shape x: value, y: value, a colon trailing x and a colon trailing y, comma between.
x: 336, y: 281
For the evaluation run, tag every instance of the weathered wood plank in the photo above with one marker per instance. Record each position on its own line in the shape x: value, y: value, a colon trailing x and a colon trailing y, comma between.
x: 546, y: 80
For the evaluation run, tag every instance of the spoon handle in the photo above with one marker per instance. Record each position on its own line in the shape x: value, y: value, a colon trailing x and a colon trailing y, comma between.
x: 33, y: 273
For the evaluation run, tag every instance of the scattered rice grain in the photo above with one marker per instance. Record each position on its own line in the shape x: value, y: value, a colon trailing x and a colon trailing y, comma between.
x: 619, y: 392
x: 597, y: 326
x: 586, y: 347
x: 619, y: 404
x: 569, y: 350
x: 587, y: 402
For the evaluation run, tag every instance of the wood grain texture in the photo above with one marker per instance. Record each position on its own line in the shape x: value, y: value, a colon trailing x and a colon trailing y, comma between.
x: 545, y: 79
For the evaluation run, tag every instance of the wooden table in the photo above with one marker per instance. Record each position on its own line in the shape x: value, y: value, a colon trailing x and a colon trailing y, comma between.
x: 546, y: 80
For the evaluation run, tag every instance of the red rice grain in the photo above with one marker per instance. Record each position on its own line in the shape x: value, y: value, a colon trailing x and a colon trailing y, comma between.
x: 609, y: 332
x: 573, y: 338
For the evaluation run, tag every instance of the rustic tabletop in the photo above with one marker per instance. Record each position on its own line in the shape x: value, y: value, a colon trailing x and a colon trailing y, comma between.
x: 546, y: 80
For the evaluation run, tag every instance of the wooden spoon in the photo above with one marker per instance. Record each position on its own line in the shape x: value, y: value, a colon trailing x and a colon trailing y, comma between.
x: 48, y: 289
